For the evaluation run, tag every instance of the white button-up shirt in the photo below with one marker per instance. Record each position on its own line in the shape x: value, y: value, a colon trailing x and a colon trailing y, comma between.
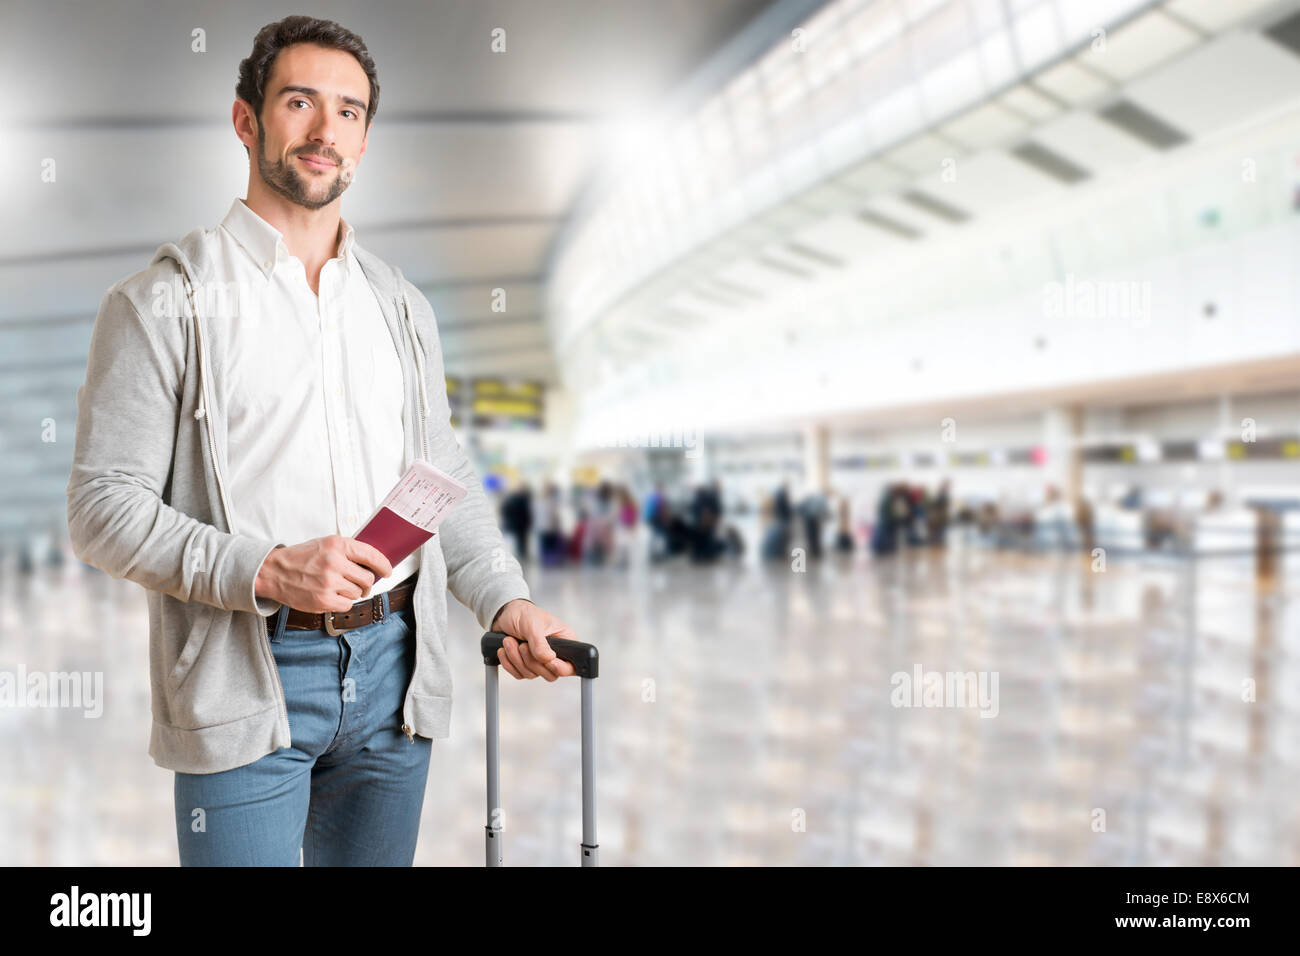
x: 314, y: 390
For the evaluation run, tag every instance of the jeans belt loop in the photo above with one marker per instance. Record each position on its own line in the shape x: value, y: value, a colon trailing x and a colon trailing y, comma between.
x: 281, y: 617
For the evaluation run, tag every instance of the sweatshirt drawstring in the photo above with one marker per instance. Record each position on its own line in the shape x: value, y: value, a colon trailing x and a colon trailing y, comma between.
x: 419, y: 360
x: 198, y: 339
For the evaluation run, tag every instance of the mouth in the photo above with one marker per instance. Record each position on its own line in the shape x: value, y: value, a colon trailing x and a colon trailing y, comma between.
x: 317, y: 162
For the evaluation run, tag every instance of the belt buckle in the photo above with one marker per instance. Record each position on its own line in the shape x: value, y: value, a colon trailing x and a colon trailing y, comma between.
x: 330, y: 629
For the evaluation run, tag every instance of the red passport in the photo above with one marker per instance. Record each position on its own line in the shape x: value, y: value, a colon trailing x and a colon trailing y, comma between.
x: 411, y: 512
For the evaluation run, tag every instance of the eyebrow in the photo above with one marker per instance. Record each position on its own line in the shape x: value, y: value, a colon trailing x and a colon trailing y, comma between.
x: 308, y: 91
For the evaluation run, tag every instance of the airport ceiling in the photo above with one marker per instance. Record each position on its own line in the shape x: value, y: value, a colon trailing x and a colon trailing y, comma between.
x: 842, y: 250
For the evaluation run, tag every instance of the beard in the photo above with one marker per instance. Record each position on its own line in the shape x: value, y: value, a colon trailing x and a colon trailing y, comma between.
x: 285, y: 179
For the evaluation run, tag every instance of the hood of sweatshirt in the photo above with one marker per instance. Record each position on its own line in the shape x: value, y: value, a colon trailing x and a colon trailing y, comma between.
x: 193, y: 254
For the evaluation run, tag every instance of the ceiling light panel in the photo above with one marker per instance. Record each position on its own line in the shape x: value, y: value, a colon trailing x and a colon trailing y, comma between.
x: 1142, y: 125
x: 1093, y: 143
x: 1050, y: 162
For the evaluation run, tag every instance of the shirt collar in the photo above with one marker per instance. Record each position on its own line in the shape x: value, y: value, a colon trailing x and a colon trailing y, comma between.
x: 346, y: 244
x: 265, y: 243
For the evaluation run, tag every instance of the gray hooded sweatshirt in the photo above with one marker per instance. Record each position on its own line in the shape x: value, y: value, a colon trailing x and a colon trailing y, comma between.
x: 147, y: 501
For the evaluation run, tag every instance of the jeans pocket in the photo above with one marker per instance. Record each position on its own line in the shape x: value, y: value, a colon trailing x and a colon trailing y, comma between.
x: 406, y: 617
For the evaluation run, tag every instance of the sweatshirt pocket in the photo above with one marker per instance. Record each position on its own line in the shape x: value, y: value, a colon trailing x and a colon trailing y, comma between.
x: 221, y: 675
x: 191, y: 649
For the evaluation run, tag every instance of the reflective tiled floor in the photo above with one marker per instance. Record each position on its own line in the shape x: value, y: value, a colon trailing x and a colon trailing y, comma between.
x: 753, y: 716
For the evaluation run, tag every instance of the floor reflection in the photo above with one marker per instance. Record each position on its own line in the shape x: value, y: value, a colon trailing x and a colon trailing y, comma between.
x: 753, y: 716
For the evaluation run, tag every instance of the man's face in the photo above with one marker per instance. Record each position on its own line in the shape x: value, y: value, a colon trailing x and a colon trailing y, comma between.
x: 312, y: 131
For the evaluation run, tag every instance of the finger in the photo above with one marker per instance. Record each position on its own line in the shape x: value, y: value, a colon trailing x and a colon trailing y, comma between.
x: 360, y: 576
x: 555, y: 665
x: 534, y: 665
x: 369, y: 556
x: 351, y: 590
x: 539, y: 647
x: 512, y: 652
x: 337, y: 603
x: 506, y: 665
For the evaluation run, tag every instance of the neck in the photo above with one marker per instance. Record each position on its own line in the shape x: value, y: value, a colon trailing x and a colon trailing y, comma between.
x: 311, y: 235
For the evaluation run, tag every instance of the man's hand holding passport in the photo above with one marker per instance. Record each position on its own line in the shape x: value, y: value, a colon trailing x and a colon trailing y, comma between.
x: 334, y: 572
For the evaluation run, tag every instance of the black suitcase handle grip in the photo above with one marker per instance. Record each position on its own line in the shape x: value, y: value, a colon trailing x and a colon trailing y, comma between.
x: 584, y: 657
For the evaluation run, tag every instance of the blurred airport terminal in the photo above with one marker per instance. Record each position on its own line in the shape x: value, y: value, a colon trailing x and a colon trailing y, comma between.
x: 903, y: 395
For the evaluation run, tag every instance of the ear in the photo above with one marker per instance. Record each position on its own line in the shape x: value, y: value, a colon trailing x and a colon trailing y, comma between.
x: 241, y: 116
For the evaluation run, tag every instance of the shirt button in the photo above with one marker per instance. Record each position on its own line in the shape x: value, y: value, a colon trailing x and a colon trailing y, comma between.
x: 268, y: 263
x: 352, y: 519
x: 338, y: 389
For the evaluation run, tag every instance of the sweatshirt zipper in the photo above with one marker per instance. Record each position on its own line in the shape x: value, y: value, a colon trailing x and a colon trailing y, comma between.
x: 424, y: 436
x: 422, y: 400
x: 201, y: 413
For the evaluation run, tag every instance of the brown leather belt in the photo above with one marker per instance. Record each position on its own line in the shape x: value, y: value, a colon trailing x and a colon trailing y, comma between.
x: 364, y: 612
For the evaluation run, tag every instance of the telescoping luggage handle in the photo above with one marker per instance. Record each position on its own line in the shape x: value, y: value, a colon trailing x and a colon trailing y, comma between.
x: 586, y: 665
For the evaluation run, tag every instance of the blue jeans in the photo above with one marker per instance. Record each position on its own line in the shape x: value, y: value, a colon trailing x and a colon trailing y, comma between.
x: 350, y: 788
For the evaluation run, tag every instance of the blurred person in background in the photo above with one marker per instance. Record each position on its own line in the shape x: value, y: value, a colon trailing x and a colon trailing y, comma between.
x: 625, y: 529
x: 884, y: 536
x: 517, y: 516
x: 598, y: 542
x: 844, y: 530
x: 776, y: 527
x: 550, y: 536
x: 782, y: 510
x: 896, y: 519
x: 916, y: 517
x: 653, y: 499
x: 578, y: 540
x: 937, y: 515
x: 672, y: 534
x: 813, y: 511
x: 706, y: 514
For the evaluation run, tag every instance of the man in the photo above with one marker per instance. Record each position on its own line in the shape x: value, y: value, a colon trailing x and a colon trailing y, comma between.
x: 249, y: 398
x: 517, y: 514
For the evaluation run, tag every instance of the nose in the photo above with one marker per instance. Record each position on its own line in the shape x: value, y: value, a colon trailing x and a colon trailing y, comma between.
x: 322, y: 132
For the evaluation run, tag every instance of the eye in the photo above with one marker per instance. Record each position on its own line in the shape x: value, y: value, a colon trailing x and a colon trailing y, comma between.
x: 353, y: 112
x: 297, y: 100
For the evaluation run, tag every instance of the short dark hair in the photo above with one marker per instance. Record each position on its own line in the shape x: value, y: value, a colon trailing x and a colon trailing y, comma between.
x: 255, y: 69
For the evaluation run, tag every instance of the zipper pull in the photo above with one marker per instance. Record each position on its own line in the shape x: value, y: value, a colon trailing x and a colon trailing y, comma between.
x: 406, y: 729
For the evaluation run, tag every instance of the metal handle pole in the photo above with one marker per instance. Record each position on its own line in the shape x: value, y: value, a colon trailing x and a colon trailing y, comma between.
x: 586, y: 663
x: 493, y: 830
x: 590, y: 849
